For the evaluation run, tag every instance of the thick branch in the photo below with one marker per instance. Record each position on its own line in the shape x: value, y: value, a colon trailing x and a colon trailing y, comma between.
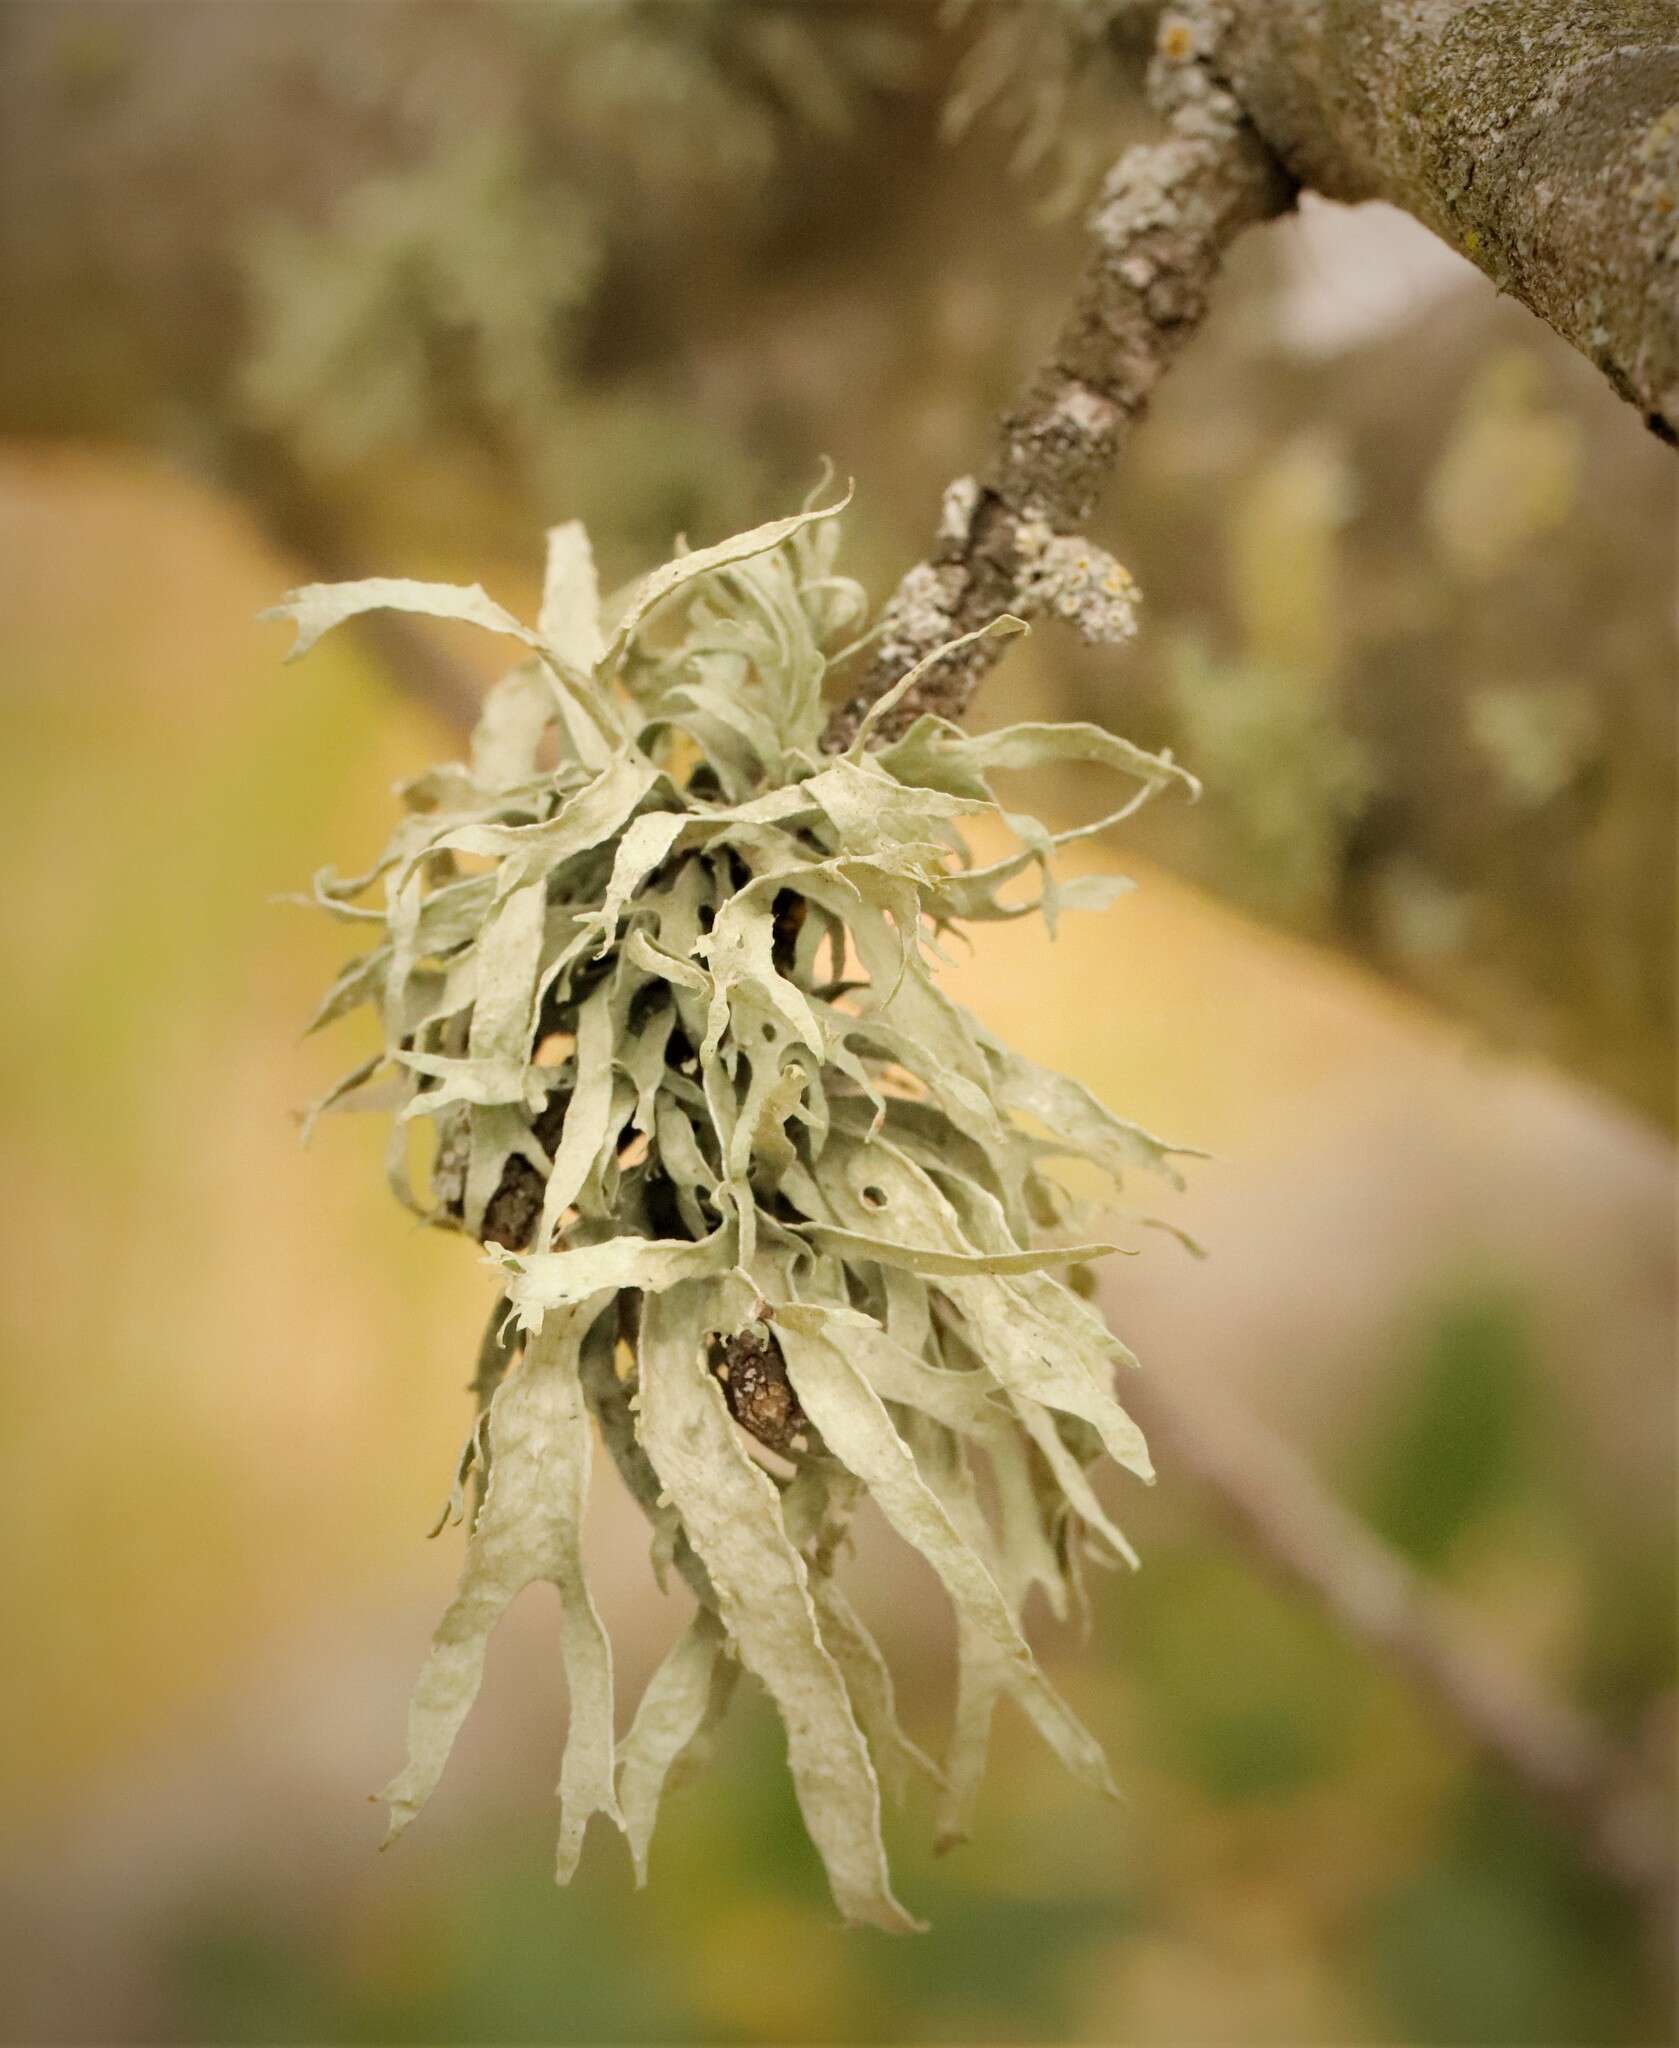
x: 1538, y: 137
x: 1271, y: 1495
x: 1166, y: 215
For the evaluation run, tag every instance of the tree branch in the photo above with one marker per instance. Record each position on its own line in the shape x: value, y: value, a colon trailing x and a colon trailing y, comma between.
x: 1540, y: 138
x: 1167, y: 212
x: 1266, y: 1489
x: 1549, y: 157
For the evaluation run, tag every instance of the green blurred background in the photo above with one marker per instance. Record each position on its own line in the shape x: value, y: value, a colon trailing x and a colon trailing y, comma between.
x: 388, y: 287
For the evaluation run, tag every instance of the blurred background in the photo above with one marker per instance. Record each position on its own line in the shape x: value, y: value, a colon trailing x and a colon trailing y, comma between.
x: 307, y: 290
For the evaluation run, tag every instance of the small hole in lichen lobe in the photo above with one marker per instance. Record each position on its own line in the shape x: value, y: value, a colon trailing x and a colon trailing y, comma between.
x: 874, y: 1198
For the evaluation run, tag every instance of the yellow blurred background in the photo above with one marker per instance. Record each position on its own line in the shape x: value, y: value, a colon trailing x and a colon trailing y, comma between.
x: 1442, y: 1266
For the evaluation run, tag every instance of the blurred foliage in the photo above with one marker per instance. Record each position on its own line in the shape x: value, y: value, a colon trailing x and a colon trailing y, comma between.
x: 1509, y: 473
x: 1433, y: 699
x: 1285, y: 776
x: 1311, y: 1896
x: 456, y: 300
x: 1503, y: 1940
x: 1455, y: 1448
x: 449, y: 246
x: 464, y: 253
x: 1538, y: 740
x: 1047, y: 76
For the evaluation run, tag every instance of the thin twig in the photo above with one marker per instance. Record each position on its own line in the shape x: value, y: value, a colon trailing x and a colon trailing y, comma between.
x: 1167, y: 212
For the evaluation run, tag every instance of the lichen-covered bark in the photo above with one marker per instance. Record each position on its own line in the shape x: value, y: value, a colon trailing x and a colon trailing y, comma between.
x: 1542, y: 140
x: 1538, y: 137
x: 1159, y: 231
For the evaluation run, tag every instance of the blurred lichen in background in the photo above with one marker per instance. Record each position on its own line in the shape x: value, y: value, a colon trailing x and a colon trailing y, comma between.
x: 1048, y: 77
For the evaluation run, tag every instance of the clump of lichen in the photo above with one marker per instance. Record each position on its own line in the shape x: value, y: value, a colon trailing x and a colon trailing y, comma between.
x: 767, y: 1207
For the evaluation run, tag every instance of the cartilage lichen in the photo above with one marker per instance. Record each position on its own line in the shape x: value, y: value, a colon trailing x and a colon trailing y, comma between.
x: 764, y: 1204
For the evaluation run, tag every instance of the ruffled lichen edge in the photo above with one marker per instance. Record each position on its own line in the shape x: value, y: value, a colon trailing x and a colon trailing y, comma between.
x: 767, y: 1207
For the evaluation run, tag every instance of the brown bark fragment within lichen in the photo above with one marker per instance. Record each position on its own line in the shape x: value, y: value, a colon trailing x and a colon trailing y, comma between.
x: 758, y: 1392
x: 514, y: 1210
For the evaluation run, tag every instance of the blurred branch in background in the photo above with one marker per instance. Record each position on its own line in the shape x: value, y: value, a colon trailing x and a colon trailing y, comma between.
x: 1616, y: 1805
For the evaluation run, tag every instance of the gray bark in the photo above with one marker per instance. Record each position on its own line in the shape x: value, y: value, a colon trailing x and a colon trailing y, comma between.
x: 1540, y: 138
x: 1167, y: 213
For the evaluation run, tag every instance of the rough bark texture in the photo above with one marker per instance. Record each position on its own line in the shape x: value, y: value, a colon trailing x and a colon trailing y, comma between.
x: 1165, y: 217
x: 1543, y: 141
x: 1540, y: 138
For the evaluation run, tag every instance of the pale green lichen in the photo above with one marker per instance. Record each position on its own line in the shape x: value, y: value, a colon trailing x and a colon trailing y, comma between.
x: 1536, y: 739
x: 1293, y: 780
x: 659, y: 975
